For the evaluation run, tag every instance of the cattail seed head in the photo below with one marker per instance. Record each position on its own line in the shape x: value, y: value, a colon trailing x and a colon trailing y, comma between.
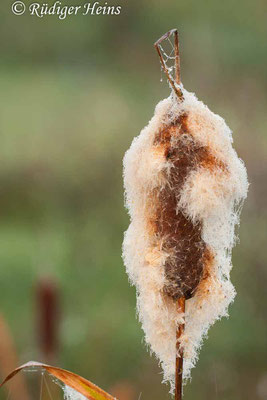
x: 183, y: 187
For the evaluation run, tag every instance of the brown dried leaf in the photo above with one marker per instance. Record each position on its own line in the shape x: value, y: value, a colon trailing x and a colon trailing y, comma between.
x: 82, y: 385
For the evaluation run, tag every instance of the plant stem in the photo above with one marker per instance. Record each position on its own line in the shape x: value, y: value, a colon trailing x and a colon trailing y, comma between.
x: 179, y: 354
x: 177, y: 58
x: 176, y: 89
x: 181, y: 301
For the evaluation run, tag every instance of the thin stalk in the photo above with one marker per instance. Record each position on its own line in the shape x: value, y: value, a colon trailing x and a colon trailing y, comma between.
x: 181, y: 301
x: 177, y: 58
x: 179, y: 354
x: 176, y: 89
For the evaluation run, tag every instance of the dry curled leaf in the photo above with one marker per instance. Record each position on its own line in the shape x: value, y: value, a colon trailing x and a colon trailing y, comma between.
x: 77, y: 382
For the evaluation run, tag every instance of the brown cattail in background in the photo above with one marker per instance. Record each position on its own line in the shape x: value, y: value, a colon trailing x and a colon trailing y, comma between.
x: 47, y: 309
x: 9, y: 361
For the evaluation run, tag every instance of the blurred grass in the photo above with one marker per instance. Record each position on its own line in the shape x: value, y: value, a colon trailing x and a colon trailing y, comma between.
x: 73, y: 95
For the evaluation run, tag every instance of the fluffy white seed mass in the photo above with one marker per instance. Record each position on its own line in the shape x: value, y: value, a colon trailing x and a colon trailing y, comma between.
x: 72, y: 394
x: 211, y: 197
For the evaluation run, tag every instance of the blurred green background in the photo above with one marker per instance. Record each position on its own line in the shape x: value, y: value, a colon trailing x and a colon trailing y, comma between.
x: 74, y: 93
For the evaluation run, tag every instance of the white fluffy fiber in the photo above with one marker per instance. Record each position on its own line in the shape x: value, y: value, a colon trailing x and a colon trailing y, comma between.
x: 72, y: 394
x: 211, y: 196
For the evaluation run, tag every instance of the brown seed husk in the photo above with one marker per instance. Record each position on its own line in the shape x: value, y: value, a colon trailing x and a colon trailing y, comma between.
x: 189, y: 254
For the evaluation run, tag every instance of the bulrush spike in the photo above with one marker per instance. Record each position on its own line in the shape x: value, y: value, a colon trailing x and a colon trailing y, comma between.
x: 184, y: 184
x: 48, y: 318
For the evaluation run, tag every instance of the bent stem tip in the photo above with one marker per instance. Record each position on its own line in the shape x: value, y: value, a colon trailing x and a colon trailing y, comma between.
x: 157, y: 46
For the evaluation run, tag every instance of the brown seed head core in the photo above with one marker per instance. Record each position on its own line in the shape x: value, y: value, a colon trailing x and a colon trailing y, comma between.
x: 189, y: 256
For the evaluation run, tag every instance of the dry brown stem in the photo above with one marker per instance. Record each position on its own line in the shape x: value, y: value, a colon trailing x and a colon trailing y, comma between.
x: 157, y: 44
x: 179, y: 354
